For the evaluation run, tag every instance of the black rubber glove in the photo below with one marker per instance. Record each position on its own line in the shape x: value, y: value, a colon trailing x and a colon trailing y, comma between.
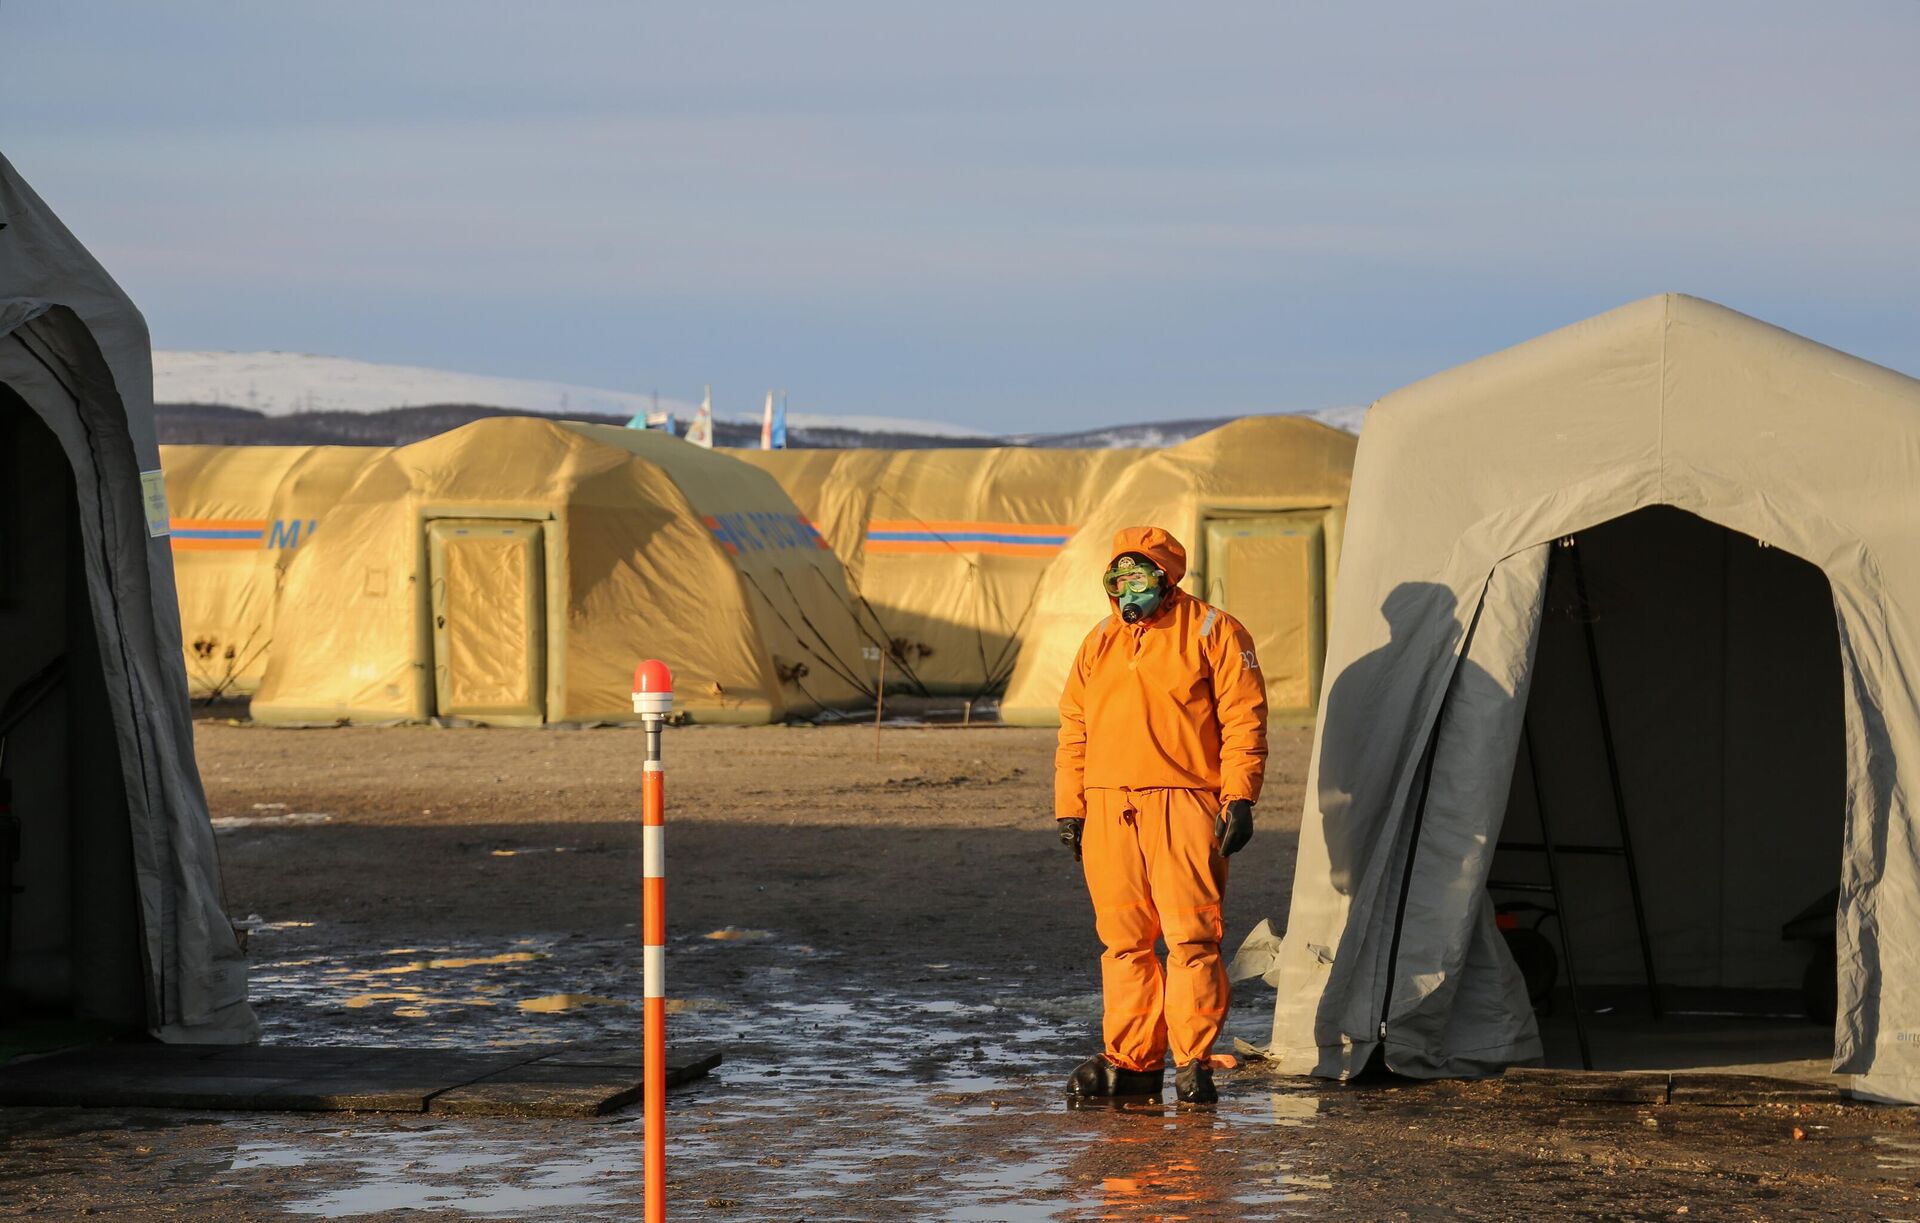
x: 1070, y: 830
x: 1233, y: 827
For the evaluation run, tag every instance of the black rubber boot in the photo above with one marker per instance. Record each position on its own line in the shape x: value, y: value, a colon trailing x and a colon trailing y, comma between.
x: 1193, y: 1084
x: 1098, y: 1078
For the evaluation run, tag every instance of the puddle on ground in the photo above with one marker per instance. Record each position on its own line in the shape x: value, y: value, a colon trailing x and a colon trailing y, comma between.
x: 552, y: 1003
x: 395, y: 1169
x: 409, y: 1004
x: 848, y: 1090
x: 543, y: 990
x: 471, y: 961
x: 272, y: 819
x: 1895, y: 1152
x: 253, y: 923
x: 1294, y: 1110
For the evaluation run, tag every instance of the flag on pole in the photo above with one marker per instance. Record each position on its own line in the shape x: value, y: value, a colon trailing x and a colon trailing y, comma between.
x: 700, y: 432
x: 777, y: 432
x: 766, y: 425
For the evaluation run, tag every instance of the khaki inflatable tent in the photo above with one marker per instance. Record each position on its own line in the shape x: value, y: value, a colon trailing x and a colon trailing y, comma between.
x: 110, y: 906
x: 238, y: 515
x: 515, y: 570
x: 1260, y: 505
x: 946, y: 548
x: 1648, y: 584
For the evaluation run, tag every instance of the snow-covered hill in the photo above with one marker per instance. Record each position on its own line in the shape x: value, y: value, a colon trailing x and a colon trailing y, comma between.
x: 298, y: 398
x: 1149, y: 435
x: 283, y: 383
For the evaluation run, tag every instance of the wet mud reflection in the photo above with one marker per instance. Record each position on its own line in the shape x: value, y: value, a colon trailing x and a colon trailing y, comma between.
x: 848, y: 1092
x: 431, y: 1169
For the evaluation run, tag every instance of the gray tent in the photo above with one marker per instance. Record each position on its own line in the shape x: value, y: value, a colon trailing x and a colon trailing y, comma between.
x: 118, y: 915
x: 1671, y: 526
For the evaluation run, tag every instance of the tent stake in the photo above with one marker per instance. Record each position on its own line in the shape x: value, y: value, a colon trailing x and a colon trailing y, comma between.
x: 879, y: 703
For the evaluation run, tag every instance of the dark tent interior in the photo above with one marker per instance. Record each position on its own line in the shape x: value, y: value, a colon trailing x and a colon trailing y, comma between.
x: 1716, y: 661
x: 69, y: 926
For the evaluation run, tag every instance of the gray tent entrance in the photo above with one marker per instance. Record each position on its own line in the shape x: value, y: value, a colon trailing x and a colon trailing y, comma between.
x: 69, y: 925
x: 1716, y: 661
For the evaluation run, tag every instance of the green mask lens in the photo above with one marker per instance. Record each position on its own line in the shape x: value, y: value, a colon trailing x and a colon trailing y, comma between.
x: 1127, y: 576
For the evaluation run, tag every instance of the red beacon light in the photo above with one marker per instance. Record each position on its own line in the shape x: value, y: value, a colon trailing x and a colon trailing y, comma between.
x: 652, y: 689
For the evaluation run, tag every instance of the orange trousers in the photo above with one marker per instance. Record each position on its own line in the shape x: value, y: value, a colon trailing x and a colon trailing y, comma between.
x: 1154, y: 872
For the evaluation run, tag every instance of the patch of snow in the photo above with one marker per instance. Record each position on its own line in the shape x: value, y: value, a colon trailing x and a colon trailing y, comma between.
x: 1153, y: 435
x: 283, y: 383
x: 863, y: 424
x: 1148, y: 435
x: 1347, y: 419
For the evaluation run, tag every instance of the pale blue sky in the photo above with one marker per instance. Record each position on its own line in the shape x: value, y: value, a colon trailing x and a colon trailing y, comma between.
x: 1019, y: 216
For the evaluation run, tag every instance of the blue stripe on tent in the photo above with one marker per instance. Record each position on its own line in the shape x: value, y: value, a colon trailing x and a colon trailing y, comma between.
x: 213, y: 533
x: 961, y: 537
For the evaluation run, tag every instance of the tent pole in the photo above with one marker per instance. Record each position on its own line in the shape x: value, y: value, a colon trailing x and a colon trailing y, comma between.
x: 1613, y: 779
x: 1559, y: 904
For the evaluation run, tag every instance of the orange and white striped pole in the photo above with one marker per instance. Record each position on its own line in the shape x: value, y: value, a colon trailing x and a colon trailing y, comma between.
x: 653, y: 701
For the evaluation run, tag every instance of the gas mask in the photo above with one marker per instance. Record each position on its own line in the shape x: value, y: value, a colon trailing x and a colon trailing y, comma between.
x: 1136, y: 585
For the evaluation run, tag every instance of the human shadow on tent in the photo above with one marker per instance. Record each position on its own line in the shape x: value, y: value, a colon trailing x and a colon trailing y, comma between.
x: 1369, y: 709
x: 1374, y: 707
x: 1407, y: 723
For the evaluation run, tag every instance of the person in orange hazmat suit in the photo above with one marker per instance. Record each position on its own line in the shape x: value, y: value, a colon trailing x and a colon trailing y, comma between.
x: 1163, y: 744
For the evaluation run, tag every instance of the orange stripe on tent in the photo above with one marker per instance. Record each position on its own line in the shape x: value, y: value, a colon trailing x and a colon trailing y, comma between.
x: 218, y: 524
x: 962, y: 528
x: 891, y: 547
x: 215, y: 545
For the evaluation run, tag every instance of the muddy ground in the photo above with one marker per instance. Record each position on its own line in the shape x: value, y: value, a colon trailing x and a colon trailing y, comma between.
x: 897, y: 959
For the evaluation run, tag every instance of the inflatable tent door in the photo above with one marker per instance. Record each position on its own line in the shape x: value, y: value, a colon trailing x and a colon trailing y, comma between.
x: 1269, y: 571
x: 489, y: 620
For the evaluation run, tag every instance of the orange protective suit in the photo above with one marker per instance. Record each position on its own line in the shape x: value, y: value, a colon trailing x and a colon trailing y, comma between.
x: 1161, y: 723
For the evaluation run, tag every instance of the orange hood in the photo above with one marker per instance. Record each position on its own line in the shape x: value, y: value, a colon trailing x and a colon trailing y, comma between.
x: 1157, y: 546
